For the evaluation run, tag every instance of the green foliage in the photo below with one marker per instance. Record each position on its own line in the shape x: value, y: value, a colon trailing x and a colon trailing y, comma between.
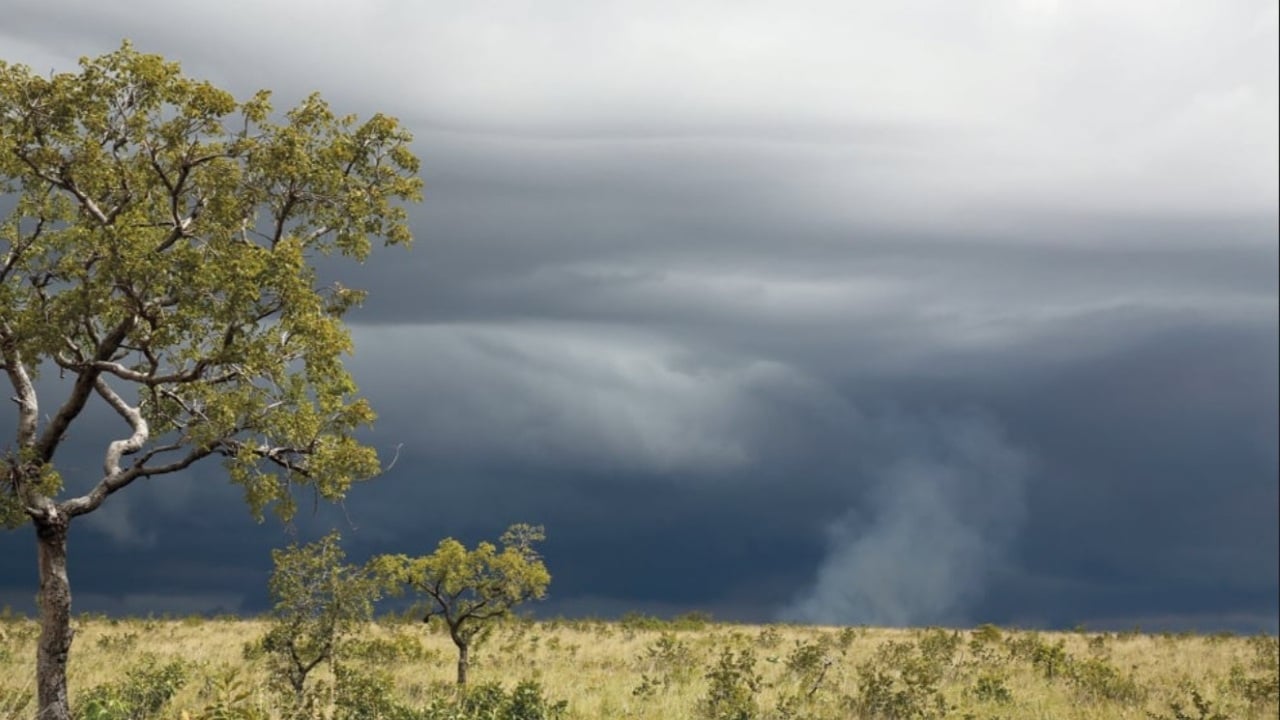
x: 938, y: 647
x: 366, y: 696
x: 990, y: 687
x: 666, y: 661
x: 1095, y: 680
x: 229, y: 696
x: 471, y: 588
x: 488, y: 701
x: 733, y: 688
x: 900, y: 682
x: 158, y: 252
x: 526, y: 702
x: 809, y: 663
x: 319, y: 602
x: 397, y: 648
x: 143, y: 693
x: 986, y: 634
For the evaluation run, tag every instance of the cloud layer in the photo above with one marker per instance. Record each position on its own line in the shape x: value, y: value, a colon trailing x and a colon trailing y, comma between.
x: 889, y: 313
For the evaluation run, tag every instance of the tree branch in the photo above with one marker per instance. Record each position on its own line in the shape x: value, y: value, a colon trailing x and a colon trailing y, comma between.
x: 132, y: 415
x: 80, y: 392
x: 28, y: 404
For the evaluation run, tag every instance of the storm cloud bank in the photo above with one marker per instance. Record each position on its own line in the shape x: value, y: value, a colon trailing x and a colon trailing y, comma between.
x: 888, y: 313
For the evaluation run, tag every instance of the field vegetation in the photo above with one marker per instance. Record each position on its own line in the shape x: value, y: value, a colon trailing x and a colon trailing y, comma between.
x: 643, y: 668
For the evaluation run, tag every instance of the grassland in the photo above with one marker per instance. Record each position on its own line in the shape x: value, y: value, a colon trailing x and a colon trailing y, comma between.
x: 644, y: 669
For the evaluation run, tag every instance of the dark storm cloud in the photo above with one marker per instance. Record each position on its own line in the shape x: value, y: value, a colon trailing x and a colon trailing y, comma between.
x: 844, y: 316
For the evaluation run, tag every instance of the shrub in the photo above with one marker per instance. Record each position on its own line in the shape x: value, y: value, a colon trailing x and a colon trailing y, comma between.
x: 366, y: 696
x: 229, y: 697
x: 809, y: 663
x: 990, y: 688
x: 900, y: 683
x: 1096, y: 679
x: 733, y: 690
x: 146, y: 689
x: 488, y: 701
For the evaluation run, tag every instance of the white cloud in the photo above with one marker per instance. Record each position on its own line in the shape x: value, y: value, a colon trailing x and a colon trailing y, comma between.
x: 1094, y: 105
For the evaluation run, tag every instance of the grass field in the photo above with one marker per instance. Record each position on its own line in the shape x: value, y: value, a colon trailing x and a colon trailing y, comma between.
x: 646, y: 669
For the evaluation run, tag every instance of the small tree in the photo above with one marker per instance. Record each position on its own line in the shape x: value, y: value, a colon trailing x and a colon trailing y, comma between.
x: 157, y: 255
x: 319, y: 601
x: 469, y: 588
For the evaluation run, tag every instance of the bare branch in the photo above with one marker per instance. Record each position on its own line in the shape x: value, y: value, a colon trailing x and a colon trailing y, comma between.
x: 132, y: 415
x: 150, y: 379
x: 28, y: 405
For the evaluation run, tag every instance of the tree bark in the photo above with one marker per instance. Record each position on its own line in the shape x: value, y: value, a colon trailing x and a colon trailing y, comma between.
x: 462, y: 663
x: 55, y: 616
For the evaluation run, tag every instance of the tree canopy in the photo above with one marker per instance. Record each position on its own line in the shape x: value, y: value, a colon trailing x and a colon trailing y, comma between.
x: 468, y: 588
x: 158, y: 255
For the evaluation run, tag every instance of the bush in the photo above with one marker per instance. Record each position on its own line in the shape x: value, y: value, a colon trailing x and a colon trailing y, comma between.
x: 488, y: 701
x: 990, y: 688
x: 229, y: 697
x: 366, y: 696
x: 734, y: 686
x: 901, y: 682
x: 1096, y: 679
x: 146, y: 689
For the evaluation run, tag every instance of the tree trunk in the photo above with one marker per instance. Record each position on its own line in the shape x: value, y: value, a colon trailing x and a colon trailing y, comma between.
x: 462, y: 663
x: 55, y: 616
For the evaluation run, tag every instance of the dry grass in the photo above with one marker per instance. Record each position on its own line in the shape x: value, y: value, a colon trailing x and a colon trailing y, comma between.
x: 643, y: 671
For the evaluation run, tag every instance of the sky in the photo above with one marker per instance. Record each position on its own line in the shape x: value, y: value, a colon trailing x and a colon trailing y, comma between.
x: 910, y: 313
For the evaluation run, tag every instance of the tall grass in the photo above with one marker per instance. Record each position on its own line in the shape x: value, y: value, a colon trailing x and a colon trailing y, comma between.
x: 644, y: 669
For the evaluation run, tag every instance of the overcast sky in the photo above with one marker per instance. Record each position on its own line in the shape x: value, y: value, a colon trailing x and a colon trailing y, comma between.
x: 915, y: 312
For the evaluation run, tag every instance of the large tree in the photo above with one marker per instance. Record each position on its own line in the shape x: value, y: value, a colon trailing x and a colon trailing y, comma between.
x: 157, y: 257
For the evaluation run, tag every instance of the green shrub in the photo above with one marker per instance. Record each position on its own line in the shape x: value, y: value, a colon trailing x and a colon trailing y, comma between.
x: 900, y: 682
x: 1096, y: 679
x: 733, y: 688
x: 809, y: 663
x: 366, y: 696
x: 488, y: 701
x: 227, y: 696
x: 990, y: 688
x: 397, y: 648
x: 146, y: 689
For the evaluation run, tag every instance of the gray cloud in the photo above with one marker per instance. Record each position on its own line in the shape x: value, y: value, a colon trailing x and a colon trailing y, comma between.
x: 761, y: 311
